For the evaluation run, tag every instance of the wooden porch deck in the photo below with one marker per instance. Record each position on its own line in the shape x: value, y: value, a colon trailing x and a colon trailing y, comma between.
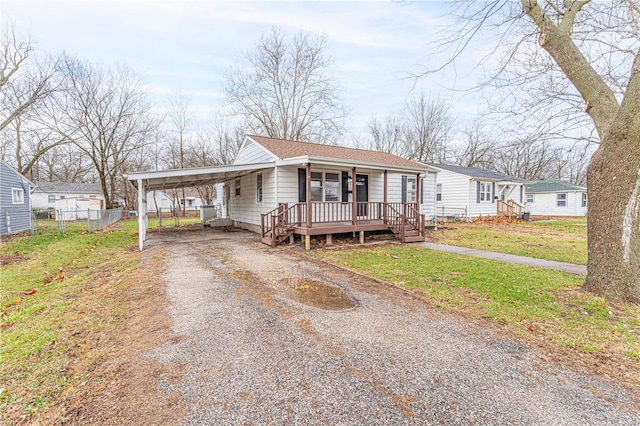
x: 327, y: 218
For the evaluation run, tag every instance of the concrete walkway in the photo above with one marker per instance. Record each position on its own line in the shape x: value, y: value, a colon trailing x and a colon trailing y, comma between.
x: 539, y: 263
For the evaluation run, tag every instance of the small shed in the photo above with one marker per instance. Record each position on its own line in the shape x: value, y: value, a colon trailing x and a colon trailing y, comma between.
x: 76, y: 208
x: 15, y: 201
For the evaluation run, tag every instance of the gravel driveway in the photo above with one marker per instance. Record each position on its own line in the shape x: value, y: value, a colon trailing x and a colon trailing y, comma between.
x: 253, y: 353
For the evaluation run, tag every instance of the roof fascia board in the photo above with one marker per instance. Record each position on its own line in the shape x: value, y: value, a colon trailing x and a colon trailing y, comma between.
x: 351, y: 163
x: 197, y: 171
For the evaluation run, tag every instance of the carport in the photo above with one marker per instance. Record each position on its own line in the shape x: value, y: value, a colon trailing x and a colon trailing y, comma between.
x: 182, y: 178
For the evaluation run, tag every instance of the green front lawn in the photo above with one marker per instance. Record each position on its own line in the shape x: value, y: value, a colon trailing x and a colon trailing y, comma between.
x: 559, y: 240
x: 529, y: 302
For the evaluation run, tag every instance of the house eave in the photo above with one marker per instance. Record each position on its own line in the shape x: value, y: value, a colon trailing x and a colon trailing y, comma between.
x: 326, y: 161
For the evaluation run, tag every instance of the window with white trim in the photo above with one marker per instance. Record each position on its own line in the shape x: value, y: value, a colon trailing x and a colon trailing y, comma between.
x: 439, y: 192
x: 411, y: 189
x: 485, y: 191
x: 332, y: 187
x: 584, y: 199
x: 17, y: 195
x: 259, y: 187
x: 237, y: 183
x: 325, y: 186
x: 530, y: 198
x: 561, y: 199
x: 51, y: 198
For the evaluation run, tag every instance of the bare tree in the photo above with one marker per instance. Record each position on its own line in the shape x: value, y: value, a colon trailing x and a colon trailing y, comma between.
x: 226, y: 138
x: 388, y: 135
x: 180, y: 118
x: 105, y: 114
x: 524, y: 158
x: 286, y: 92
x: 579, y: 59
x: 428, y: 125
x: 27, y: 80
x: 476, y: 150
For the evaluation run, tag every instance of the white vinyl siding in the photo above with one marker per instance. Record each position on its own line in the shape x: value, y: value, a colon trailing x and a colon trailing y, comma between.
x: 546, y: 204
x: 244, y: 208
x: 251, y: 153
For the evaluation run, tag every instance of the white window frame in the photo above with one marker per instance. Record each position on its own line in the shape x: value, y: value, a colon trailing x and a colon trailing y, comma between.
x: 584, y: 199
x: 438, y: 192
x: 562, y: 201
x: 237, y: 187
x: 51, y: 198
x: 321, y: 179
x: 533, y: 198
x: 17, y: 196
x: 259, y: 187
x: 485, y: 192
x: 412, y: 189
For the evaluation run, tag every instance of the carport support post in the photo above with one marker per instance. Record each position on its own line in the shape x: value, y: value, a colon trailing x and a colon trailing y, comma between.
x: 142, y: 214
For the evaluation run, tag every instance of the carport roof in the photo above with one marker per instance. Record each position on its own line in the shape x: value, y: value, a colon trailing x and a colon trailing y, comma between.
x: 183, y: 178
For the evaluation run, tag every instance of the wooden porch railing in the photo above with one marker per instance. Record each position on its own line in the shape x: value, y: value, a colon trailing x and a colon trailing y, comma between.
x: 277, y: 225
x: 509, y: 208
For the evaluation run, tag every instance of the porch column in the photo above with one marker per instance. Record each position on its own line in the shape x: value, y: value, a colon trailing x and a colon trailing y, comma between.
x: 418, y: 193
x: 308, y: 195
x: 354, y: 197
x: 385, y: 199
x: 142, y: 214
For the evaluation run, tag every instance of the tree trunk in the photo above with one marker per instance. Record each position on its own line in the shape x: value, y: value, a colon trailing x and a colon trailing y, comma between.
x: 613, y: 214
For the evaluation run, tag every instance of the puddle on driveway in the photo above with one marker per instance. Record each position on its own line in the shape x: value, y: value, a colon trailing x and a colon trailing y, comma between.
x: 318, y: 294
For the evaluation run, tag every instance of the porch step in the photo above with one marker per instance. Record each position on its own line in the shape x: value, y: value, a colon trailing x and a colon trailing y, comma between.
x: 414, y: 239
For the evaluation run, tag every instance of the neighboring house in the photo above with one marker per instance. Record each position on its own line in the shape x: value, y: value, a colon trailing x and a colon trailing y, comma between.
x: 553, y: 197
x: 46, y: 194
x: 470, y: 192
x: 281, y: 187
x: 15, y: 201
x: 165, y: 200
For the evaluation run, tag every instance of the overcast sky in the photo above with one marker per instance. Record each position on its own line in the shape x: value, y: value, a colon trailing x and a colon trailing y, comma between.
x: 186, y: 45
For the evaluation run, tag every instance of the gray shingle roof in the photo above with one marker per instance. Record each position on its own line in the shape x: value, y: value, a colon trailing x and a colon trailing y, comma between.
x: 553, y: 185
x: 475, y: 172
x: 68, y: 188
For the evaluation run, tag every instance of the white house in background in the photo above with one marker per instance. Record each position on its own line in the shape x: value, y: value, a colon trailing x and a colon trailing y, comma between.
x: 470, y: 192
x: 282, y: 188
x: 553, y: 197
x: 46, y: 194
x: 77, y: 208
x: 15, y: 201
x: 169, y: 200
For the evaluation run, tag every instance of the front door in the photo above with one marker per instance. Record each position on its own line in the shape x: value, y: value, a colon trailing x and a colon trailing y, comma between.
x: 362, y: 193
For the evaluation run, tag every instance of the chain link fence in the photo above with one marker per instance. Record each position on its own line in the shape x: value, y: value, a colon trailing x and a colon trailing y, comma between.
x: 65, y: 221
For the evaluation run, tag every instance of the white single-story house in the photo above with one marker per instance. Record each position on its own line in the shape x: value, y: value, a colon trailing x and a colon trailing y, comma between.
x: 553, y: 197
x: 281, y: 188
x: 15, y: 201
x: 470, y: 192
x: 46, y: 194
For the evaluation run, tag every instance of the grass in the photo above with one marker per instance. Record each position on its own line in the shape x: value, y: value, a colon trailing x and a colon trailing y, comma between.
x: 56, y: 294
x: 530, y: 302
x: 559, y: 240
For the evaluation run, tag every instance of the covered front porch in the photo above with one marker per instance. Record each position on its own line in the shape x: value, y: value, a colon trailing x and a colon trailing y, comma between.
x: 327, y: 218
